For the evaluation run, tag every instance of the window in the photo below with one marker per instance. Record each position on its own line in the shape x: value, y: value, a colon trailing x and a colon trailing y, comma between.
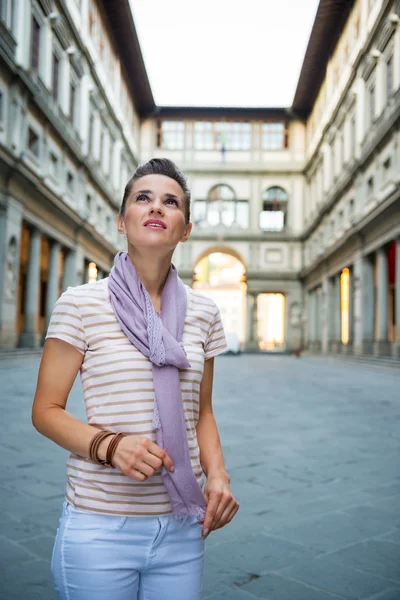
x: 370, y: 187
x: 389, y: 78
x: 353, y: 136
x: 171, y: 135
x: 91, y: 129
x: 35, y: 44
x: 70, y: 182
x: 386, y: 169
x: 7, y: 13
x: 56, y: 72
x: 351, y: 210
x: 53, y: 165
x: 274, y: 136
x: 88, y: 206
x: 222, y: 135
x: 274, y: 209
x: 221, y: 207
x: 371, y: 104
x: 72, y: 102
x: 33, y: 142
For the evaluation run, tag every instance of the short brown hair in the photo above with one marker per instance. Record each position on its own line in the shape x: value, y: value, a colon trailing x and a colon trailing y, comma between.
x: 159, y: 166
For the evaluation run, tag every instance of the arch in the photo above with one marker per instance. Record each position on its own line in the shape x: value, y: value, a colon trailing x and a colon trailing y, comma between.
x: 221, y: 207
x: 273, y: 215
x: 222, y: 250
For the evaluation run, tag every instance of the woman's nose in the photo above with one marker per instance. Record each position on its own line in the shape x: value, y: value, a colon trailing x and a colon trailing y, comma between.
x: 156, y: 206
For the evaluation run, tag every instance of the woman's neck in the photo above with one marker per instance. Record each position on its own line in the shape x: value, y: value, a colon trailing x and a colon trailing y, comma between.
x: 153, y: 271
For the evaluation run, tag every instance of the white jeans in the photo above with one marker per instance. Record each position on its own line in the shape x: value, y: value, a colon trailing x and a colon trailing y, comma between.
x: 103, y: 557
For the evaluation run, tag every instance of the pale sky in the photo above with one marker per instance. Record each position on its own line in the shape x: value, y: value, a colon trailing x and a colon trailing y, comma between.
x: 223, y: 52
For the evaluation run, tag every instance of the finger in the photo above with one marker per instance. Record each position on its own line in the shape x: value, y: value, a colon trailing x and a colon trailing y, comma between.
x: 212, y: 507
x: 146, y: 469
x: 228, y: 515
x: 152, y: 461
x: 135, y: 474
x: 160, y: 453
x: 225, y: 502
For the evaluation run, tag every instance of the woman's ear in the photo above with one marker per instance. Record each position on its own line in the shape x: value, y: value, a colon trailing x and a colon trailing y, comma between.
x: 187, y: 232
x: 121, y: 224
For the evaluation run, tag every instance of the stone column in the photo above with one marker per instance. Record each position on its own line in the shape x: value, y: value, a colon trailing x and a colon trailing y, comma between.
x: 52, y: 284
x: 335, y: 310
x: 311, y: 320
x: 381, y: 346
x: 30, y: 337
x: 326, y: 315
x: 73, y: 268
x: 318, y: 319
x: 396, y: 345
x: 252, y: 322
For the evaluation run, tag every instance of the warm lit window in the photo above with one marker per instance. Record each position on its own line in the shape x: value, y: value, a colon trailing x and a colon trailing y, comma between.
x: 274, y: 209
x: 344, y: 304
x: 35, y: 44
x: 274, y: 136
x: 171, y: 135
x: 222, y: 135
x: 221, y: 207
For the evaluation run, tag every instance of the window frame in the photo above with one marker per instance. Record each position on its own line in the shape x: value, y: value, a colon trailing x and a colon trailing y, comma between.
x: 284, y: 136
x: 282, y: 207
x: 31, y: 126
x: 179, y: 133
x: 214, y: 133
x: 219, y: 202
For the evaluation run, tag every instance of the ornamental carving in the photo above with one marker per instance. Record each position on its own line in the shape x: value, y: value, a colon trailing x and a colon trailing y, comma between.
x: 368, y: 67
x: 385, y: 34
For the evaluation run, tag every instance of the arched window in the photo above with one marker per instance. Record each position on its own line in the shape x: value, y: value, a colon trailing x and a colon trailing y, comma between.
x: 274, y: 209
x: 221, y: 207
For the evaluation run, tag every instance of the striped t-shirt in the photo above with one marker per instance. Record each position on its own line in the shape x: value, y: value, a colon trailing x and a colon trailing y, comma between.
x: 119, y: 393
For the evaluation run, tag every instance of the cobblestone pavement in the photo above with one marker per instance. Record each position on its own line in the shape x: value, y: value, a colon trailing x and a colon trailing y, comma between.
x: 312, y: 447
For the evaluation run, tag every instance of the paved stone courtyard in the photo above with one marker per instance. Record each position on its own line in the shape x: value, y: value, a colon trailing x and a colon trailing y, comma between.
x: 312, y: 447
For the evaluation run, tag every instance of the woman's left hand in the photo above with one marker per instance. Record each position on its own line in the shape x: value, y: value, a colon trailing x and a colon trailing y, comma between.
x: 221, y: 504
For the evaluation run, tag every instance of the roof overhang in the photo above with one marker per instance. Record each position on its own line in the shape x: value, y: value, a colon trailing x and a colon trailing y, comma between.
x: 222, y: 112
x: 122, y: 28
x: 328, y: 25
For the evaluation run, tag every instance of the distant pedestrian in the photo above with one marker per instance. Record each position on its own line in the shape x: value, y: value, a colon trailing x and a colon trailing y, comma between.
x: 137, y: 509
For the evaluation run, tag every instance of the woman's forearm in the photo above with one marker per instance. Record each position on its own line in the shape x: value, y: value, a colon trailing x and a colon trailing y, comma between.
x: 211, y: 456
x: 67, y: 431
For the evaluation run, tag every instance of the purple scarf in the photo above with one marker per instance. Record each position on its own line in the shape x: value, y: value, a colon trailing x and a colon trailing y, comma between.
x: 159, y: 337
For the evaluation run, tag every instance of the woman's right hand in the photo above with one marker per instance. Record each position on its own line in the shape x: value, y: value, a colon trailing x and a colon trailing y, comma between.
x: 138, y: 457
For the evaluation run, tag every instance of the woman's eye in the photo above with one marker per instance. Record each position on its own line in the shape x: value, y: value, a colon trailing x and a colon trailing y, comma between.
x: 142, y: 197
x: 171, y: 200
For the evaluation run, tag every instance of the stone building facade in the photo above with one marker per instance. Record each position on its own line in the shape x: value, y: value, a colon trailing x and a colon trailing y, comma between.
x: 306, y: 198
x: 69, y: 139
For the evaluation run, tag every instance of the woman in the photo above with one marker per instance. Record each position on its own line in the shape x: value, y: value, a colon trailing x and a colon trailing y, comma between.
x: 137, y: 511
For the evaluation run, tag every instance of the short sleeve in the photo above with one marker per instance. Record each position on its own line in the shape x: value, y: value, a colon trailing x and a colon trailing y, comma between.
x: 216, y: 342
x: 66, y: 322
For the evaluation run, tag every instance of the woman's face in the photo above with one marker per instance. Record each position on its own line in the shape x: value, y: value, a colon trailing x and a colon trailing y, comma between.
x: 154, y: 215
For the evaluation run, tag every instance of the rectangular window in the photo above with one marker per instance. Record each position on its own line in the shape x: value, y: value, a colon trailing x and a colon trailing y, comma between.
x: 370, y: 187
x: 371, y: 104
x: 389, y: 78
x: 386, y: 169
x: 70, y: 182
x: 72, y: 102
x: 274, y: 136
x: 53, y: 165
x: 56, y: 73
x: 353, y: 136
x: 35, y: 44
x: 222, y: 135
x: 33, y: 142
x: 171, y: 135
